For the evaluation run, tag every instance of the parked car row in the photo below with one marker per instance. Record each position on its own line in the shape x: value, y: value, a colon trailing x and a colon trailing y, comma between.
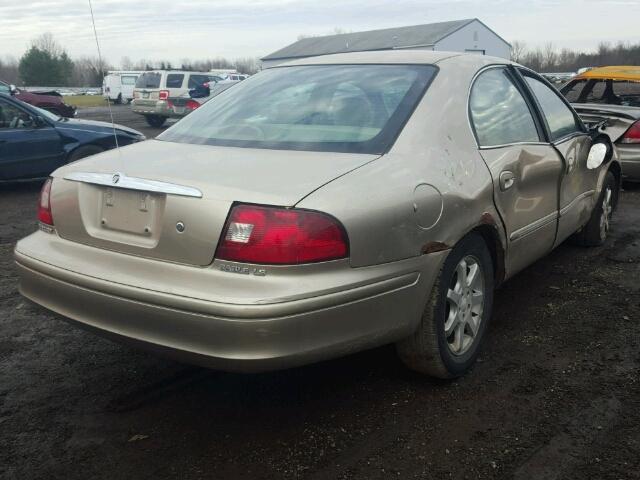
x: 290, y: 220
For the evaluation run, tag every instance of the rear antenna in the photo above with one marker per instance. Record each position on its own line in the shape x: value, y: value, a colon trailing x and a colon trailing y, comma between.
x: 100, y: 66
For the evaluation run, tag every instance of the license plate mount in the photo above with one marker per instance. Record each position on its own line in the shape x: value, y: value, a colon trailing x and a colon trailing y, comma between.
x: 129, y: 211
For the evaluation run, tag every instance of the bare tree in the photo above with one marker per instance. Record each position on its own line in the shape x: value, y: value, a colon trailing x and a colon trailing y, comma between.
x: 126, y: 63
x: 549, y: 57
x: 47, y: 43
x: 518, y: 50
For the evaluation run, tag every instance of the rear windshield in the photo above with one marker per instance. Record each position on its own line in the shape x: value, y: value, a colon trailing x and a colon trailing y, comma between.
x: 339, y: 108
x: 148, y: 80
x: 128, y: 80
x: 612, y: 92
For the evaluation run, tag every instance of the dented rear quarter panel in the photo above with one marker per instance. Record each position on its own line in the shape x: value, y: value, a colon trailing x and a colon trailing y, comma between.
x: 436, y: 151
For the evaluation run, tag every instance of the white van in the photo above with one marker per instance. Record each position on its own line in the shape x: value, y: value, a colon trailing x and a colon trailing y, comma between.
x: 117, y: 86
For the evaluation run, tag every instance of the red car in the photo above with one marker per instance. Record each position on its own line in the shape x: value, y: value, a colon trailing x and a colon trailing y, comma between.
x: 51, y: 101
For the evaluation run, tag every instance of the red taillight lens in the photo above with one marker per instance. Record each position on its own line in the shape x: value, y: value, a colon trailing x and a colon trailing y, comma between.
x: 191, y: 105
x: 44, y: 204
x: 280, y: 236
x: 163, y: 95
x: 633, y: 134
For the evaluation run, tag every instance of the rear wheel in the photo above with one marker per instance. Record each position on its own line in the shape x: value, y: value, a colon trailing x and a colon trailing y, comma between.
x: 155, y: 121
x: 448, y: 340
x: 85, y: 151
x: 119, y: 99
x: 595, y: 232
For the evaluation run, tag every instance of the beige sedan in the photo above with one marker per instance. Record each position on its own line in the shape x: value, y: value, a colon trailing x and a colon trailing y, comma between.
x: 324, y: 207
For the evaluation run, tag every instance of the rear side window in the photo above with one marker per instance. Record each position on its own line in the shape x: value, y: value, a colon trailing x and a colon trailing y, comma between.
x: 559, y: 117
x: 499, y: 113
x: 128, y: 80
x: 174, y: 80
x: 148, y: 80
x: 198, y: 80
x: 573, y: 90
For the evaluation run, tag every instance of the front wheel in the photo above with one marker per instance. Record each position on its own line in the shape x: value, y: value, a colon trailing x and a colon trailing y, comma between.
x: 454, y: 322
x: 596, y: 231
x: 155, y: 121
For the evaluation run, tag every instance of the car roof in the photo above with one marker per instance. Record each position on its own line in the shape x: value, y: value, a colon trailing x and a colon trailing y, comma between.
x: 426, y: 57
x: 177, y: 71
x: 620, y: 72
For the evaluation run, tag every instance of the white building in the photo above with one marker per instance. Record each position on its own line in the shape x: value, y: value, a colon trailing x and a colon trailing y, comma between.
x: 470, y: 36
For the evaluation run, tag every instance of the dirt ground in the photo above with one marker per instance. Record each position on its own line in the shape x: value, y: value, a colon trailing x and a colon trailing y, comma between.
x: 556, y: 394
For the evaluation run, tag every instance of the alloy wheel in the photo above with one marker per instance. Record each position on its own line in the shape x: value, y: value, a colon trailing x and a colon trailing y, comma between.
x: 465, y: 305
x: 605, y: 217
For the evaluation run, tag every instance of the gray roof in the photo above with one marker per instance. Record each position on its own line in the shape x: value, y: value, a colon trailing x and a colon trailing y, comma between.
x: 400, y: 37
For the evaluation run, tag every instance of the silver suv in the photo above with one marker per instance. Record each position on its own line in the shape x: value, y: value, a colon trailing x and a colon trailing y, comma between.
x: 162, y: 94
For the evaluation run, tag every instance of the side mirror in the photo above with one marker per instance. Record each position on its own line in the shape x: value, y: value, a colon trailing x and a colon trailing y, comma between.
x: 597, y: 154
x: 39, y: 122
x: 13, y: 89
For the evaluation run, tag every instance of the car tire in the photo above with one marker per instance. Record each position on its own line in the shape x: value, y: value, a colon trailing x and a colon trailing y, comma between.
x: 119, y: 99
x: 595, y: 232
x: 155, y: 121
x: 85, y: 151
x: 453, y: 325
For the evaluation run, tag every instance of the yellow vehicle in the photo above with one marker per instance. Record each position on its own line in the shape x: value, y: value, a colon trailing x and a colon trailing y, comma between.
x: 611, y: 95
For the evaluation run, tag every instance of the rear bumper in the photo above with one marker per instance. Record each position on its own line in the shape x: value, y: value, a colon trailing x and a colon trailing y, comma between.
x: 630, y: 160
x: 245, y: 337
x: 160, y: 108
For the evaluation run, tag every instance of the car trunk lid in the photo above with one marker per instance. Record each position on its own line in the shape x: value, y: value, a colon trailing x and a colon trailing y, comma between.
x: 170, y: 201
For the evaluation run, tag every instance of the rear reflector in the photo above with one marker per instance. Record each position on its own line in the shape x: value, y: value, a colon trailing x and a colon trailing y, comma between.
x: 44, y: 204
x: 633, y: 134
x: 163, y: 95
x: 281, y: 236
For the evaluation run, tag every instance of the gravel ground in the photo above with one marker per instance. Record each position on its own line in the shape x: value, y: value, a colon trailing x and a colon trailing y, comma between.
x: 123, y: 115
x: 556, y: 394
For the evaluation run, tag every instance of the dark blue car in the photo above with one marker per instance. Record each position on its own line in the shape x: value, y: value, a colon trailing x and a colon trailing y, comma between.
x: 34, y: 142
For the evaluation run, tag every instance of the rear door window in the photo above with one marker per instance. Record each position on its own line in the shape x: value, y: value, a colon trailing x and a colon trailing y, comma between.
x: 148, y: 80
x: 559, y: 117
x: 174, y: 80
x: 128, y: 80
x: 499, y: 113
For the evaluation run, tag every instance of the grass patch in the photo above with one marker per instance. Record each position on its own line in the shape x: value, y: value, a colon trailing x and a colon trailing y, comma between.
x: 85, y: 100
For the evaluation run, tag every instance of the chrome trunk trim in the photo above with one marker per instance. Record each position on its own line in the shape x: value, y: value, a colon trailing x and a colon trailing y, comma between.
x: 120, y: 180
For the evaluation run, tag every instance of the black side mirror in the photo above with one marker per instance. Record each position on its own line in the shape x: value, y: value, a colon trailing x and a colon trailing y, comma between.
x: 596, y: 128
x: 39, y: 122
x: 200, y: 91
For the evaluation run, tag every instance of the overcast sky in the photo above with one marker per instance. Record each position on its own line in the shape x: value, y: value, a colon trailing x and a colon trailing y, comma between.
x: 178, y: 29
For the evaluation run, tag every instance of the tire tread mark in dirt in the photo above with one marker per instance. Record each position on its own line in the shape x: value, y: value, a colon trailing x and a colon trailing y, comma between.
x: 158, y: 390
x: 554, y: 460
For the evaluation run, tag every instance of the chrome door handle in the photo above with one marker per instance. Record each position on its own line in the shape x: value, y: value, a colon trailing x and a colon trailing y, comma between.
x: 507, y: 179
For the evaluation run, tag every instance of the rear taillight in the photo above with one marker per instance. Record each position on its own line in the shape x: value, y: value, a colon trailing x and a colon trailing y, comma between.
x: 44, y: 204
x: 163, y: 95
x: 632, y: 135
x: 191, y: 105
x: 281, y: 236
